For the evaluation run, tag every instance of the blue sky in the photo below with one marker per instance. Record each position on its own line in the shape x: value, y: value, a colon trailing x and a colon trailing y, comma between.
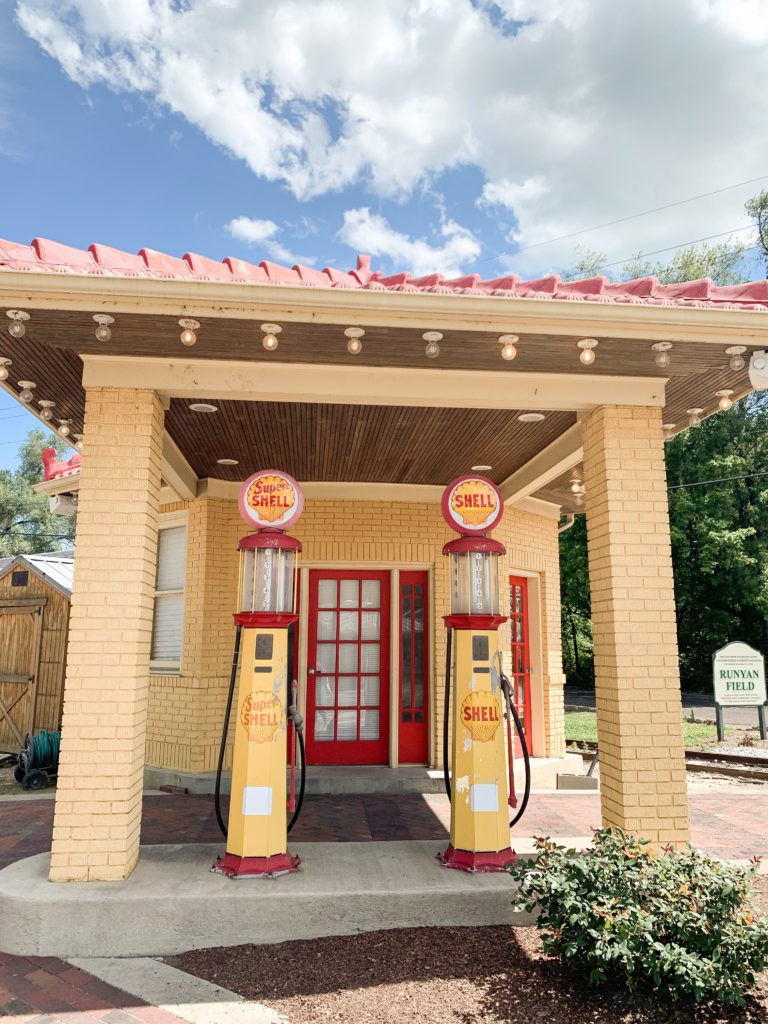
x: 443, y: 135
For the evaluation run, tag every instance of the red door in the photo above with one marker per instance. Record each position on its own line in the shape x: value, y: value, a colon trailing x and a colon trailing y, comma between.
x: 348, y: 668
x: 520, y: 676
x: 412, y: 740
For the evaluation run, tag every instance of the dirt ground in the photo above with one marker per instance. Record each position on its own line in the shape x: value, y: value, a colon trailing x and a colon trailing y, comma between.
x: 439, y: 976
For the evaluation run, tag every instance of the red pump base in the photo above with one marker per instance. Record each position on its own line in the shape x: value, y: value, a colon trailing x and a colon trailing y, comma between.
x: 476, y: 862
x: 256, y: 867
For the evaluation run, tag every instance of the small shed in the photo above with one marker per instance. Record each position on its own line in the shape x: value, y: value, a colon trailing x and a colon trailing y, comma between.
x: 35, y: 594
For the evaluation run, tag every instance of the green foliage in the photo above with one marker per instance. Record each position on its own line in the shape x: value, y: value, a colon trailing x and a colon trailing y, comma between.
x: 757, y: 208
x: 581, y: 727
x: 26, y: 524
x: 677, y: 923
x: 578, y: 656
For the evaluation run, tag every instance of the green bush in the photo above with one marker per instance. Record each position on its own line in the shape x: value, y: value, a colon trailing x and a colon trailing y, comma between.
x: 677, y: 922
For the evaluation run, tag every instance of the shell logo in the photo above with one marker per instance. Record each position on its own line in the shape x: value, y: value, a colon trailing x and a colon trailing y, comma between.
x: 261, y: 714
x: 480, y: 715
x: 271, y: 497
x: 472, y: 504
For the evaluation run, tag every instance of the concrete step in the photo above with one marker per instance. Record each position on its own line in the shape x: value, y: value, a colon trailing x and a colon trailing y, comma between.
x: 172, y: 902
x: 339, y: 780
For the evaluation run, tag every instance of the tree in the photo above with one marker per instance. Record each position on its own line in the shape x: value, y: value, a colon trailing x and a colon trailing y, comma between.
x: 26, y: 524
x: 719, y: 532
x: 757, y: 208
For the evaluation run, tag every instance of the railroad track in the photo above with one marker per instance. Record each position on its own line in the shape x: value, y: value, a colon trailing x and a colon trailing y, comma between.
x: 713, y: 762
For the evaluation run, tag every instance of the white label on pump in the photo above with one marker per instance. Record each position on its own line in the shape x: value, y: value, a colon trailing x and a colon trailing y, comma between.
x: 484, y: 796
x: 257, y: 800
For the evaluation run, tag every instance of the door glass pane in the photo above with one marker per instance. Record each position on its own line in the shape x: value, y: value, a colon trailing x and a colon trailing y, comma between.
x: 418, y: 652
x: 370, y: 625
x: 347, y: 725
x: 369, y: 657
x: 326, y: 658
x: 326, y: 594
x: 369, y: 725
x: 347, y: 657
x: 348, y: 626
x: 407, y: 649
x: 518, y: 599
x: 350, y: 590
x: 324, y: 691
x: 326, y: 625
x: 347, y: 687
x: 324, y: 726
x: 371, y: 594
x: 370, y: 690
x: 519, y: 630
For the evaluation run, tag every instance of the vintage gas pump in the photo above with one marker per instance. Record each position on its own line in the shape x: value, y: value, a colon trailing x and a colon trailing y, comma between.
x: 257, y: 832
x: 480, y: 795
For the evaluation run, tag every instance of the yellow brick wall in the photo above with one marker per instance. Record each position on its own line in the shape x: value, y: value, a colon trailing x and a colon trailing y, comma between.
x: 98, y: 800
x: 186, y: 712
x: 639, y: 719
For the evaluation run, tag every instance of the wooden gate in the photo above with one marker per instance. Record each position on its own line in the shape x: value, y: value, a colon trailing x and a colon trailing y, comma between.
x: 21, y: 624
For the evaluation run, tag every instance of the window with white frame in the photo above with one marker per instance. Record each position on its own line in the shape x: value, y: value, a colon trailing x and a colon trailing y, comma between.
x: 169, y: 596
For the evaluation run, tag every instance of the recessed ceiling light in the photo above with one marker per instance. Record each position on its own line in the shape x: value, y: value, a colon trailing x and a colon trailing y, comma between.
x: 531, y: 417
x: 228, y: 462
x: 482, y: 469
x: 203, y: 407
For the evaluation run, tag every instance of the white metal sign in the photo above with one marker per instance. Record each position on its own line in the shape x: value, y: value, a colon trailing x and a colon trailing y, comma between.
x: 739, y: 676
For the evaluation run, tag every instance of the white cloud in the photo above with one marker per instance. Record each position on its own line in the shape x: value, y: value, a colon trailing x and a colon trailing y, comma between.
x: 261, y: 233
x: 371, y: 233
x: 575, y: 112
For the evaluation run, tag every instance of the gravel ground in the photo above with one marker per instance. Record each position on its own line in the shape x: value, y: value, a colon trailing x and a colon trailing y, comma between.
x: 438, y: 976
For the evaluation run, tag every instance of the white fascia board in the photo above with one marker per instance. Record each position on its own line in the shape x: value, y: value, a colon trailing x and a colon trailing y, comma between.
x: 538, y: 507
x: 177, y: 472
x: 366, y: 385
x: 346, y: 307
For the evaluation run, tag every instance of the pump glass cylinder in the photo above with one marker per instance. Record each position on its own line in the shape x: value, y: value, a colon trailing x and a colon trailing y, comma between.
x: 267, y: 580
x: 474, y: 583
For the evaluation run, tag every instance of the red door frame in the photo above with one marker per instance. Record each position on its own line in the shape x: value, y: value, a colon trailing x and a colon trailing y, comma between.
x: 520, y: 674
x: 348, y: 751
x: 413, y: 736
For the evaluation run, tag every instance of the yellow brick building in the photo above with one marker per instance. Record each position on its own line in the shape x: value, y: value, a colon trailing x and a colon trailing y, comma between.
x: 215, y: 371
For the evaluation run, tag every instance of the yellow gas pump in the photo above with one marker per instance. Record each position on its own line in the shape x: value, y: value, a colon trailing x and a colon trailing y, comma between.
x: 473, y: 505
x: 257, y: 833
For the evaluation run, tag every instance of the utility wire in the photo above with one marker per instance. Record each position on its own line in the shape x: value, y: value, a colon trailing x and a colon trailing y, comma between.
x: 695, y: 241
x: 722, y: 480
x: 645, y: 213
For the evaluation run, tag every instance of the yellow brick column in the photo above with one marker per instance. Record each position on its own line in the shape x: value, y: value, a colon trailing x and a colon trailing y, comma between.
x: 639, y: 715
x: 98, y: 799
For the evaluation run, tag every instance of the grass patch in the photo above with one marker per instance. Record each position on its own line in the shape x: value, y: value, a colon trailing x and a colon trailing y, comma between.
x: 581, y: 727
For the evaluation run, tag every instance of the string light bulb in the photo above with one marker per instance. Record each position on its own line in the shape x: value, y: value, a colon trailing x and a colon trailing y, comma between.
x: 102, y: 332
x: 432, y: 348
x: 4, y: 364
x: 726, y: 401
x: 79, y: 442
x: 188, y: 336
x: 25, y: 395
x: 694, y: 417
x: 508, y: 342
x: 669, y: 430
x: 46, y: 405
x: 354, y: 345
x: 576, y: 486
x: 736, y: 362
x: 270, y: 341
x: 587, y: 346
x: 17, y: 328
x: 63, y: 430
x: 663, y: 357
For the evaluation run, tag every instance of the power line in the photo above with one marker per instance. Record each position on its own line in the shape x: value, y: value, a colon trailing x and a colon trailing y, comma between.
x: 721, y: 480
x: 645, y: 213
x: 681, y: 245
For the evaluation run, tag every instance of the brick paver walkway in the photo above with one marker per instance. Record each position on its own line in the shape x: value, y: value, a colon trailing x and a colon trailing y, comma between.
x: 45, y: 990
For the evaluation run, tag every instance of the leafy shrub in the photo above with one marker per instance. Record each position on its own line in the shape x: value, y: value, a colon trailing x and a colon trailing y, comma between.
x: 677, y: 922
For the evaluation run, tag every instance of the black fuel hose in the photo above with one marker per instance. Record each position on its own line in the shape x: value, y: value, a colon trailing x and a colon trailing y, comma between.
x: 446, y: 712
x: 507, y: 688
x: 224, y: 731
